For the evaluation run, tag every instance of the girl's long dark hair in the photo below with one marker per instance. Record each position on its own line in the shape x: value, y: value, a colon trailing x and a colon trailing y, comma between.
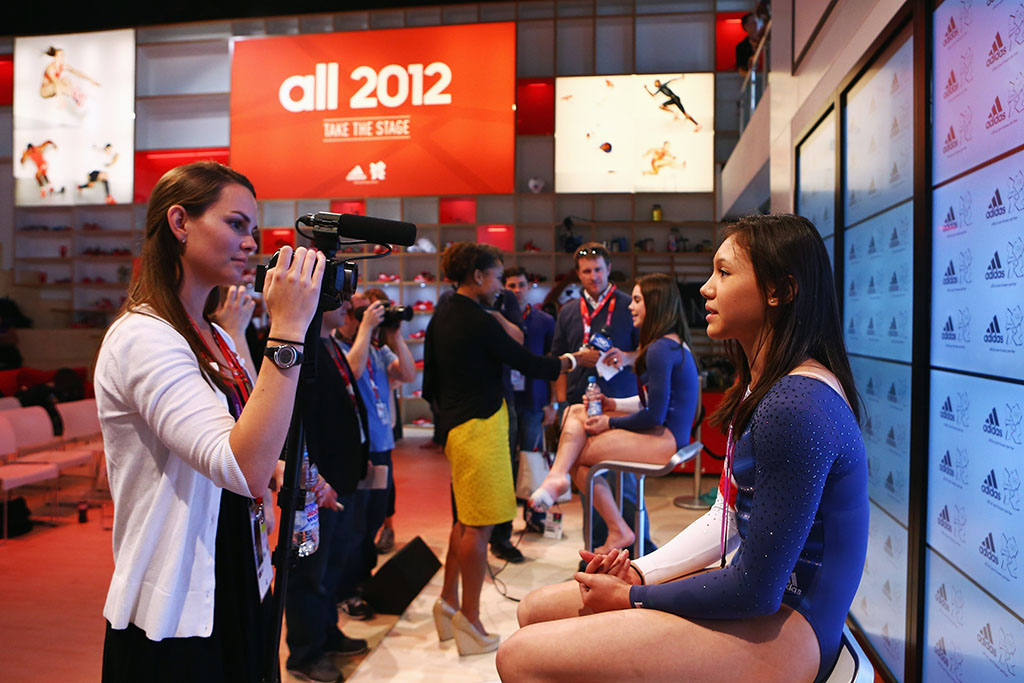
x: 195, y: 187
x: 663, y: 314
x: 787, y: 252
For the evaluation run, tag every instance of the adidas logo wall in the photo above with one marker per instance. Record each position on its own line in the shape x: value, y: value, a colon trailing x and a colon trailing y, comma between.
x: 817, y: 169
x: 978, y: 270
x: 979, y: 84
x: 879, y: 168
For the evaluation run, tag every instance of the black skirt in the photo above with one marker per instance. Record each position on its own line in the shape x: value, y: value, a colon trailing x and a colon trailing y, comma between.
x: 235, y: 650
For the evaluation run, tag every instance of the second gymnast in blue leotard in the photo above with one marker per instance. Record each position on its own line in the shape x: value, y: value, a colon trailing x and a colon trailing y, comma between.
x: 795, y: 502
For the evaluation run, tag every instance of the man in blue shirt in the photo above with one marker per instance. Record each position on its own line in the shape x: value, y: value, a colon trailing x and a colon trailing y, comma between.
x: 374, y: 366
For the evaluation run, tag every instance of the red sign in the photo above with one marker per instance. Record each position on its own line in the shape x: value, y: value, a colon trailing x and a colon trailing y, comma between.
x: 376, y: 113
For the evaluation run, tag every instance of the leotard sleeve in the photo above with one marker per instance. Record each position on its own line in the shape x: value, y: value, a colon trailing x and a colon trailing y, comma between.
x: 660, y: 357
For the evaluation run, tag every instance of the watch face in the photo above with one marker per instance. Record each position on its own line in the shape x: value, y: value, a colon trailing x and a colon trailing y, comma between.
x: 285, y: 356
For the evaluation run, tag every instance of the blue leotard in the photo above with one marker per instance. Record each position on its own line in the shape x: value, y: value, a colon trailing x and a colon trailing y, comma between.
x: 672, y: 389
x: 802, y: 513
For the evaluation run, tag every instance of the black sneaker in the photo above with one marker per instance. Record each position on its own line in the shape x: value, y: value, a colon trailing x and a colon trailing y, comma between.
x: 322, y: 668
x: 345, y: 646
x: 504, y: 550
x: 534, y: 520
x: 356, y: 608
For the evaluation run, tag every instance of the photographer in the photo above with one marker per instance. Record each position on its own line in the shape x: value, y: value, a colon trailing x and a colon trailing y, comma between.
x: 374, y: 366
x: 191, y: 444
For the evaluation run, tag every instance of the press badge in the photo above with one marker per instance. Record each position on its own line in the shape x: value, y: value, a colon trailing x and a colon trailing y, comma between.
x: 518, y: 381
x: 260, y: 546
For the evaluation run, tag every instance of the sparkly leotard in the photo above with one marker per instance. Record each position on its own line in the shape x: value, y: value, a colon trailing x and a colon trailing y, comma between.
x: 802, y: 513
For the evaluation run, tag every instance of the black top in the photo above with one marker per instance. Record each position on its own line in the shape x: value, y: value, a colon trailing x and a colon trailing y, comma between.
x: 744, y: 51
x: 463, y: 356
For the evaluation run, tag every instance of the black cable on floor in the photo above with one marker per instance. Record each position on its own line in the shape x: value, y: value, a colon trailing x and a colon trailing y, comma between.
x: 500, y: 585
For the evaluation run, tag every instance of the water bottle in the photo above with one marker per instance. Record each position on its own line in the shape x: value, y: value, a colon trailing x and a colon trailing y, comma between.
x: 593, y: 397
x: 306, y: 535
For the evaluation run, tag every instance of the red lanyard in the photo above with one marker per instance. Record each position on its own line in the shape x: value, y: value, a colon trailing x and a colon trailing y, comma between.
x: 588, y: 316
x: 728, y: 490
x: 347, y: 378
x: 241, y: 384
x: 369, y: 371
x: 526, y: 312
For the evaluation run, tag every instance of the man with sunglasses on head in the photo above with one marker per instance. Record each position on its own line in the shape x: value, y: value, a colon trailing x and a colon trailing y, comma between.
x: 602, y: 305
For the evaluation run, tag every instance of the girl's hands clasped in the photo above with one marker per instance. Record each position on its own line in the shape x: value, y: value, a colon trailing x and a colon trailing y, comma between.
x: 292, y: 291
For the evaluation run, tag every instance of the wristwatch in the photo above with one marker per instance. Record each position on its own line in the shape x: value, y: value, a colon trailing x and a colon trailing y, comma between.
x: 284, y: 356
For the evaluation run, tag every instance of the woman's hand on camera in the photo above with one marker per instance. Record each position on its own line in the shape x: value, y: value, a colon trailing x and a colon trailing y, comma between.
x: 603, y: 592
x: 292, y: 291
x: 596, y: 424
x: 235, y: 311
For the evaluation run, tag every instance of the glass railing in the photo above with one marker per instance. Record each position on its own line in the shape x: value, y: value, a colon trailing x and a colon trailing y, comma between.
x: 755, y: 83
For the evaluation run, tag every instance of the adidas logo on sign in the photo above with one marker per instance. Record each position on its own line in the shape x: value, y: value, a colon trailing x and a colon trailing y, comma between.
x: 951, y: 142
x: 997, y: 51
x: 357, y: 173
x: 985, y: 638
x: 946, y: 411
x: 894, y: 174
x: 894, y: 284
x: 894, y: 238
x: 949, y: 333
x: 888, y: 547
x: 995, y: 268
x: 946, y: 464
x: 894, y: 130
x: 895, y: 85
x: 949, y: 277
x: 994, y: 335
x: 990, y: 487
x: 996, y: 115
x: 871, y: 386
x: 991, y: 425
x: 944, y: 519
x: 853, y: 253
x: 853, y: 288
x: 851, y: 328
x: 952, y: 85
x: 988, y: 549
x: 871, y: 246
x: 871, y: 285
x: 871, y: 327
x: 892, y: 396
x: 894, y: 330
x: 950, y: 223
x: 995, y: 205
x: 951, y: 34
x: 890, y: 485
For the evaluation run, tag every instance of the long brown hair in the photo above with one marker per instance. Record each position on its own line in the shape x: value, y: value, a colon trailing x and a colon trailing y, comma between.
x: 787, y: 252
x: 663, y: 314
x: 195, y: 187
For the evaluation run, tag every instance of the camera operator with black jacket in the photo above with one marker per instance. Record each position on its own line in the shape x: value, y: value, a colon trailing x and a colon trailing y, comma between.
x: 337, y: 438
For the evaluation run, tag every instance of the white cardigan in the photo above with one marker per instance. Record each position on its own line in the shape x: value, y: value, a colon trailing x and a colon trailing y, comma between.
x: 165, y: 433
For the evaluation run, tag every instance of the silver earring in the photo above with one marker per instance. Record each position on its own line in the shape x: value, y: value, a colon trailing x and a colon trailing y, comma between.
x: 771, y: 302
x: 183, y: 240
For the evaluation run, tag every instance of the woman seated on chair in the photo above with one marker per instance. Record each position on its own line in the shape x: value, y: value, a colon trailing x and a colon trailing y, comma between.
x: 658, y: 421
x: 797, y: 458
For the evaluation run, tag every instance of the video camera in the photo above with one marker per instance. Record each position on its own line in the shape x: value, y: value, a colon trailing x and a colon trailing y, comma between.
x: 393, y: 315
x: 341, y: 276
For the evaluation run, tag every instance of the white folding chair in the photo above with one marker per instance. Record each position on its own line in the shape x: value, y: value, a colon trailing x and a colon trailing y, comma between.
x: 19, y: 474
x: 853, y: 666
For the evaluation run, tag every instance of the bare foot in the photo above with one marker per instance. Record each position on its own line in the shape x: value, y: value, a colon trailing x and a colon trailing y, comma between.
x: 617, y: 540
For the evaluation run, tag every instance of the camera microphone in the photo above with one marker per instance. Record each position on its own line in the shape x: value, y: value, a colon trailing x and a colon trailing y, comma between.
x: 365, y: 228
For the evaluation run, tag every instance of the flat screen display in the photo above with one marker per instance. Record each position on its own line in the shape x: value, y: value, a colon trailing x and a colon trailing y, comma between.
x: 975, y: 507
x: 878, y: 285
x: 879, y: 136
x: 817, y: 168
x: 968, y: 636
x: 978, y: 268
x: 409, y: 111
x: 638, y: 133
x: 74, y: 118
x: 978, y: 97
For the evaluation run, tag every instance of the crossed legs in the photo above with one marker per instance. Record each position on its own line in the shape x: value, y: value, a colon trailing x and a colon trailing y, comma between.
x: 578, y: 451
x: 554, y: 644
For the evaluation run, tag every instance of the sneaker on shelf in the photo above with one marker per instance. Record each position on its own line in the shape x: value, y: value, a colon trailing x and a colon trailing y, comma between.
x: 419, y: 364
x: 384, y: 277
x: 536, y: 278
x: 344, y: 646
x: 380, y: 249
x: 386, y: 541
x: 356, y: 608
x: 425, y: 276
x: 423, y: 422
x: 322, y: 668
x: 417, y: 394
x: 423, y: 306
x: 530, y: 246
x: 418, y: 334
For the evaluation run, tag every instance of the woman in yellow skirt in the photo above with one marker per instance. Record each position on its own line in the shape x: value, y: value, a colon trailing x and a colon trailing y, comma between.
x: 467, y: 343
